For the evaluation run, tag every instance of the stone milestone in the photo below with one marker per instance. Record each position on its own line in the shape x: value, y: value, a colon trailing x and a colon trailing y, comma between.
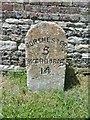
x: 45, y: 56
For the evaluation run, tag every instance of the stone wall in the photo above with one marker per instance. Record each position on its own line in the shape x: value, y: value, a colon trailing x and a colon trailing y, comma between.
x: 17, y: 17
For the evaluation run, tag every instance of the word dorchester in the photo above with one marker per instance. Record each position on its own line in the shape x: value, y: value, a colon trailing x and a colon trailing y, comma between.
x: 45, y: 40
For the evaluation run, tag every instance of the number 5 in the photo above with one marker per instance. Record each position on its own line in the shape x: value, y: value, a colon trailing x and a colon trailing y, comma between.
x: 45, y: 50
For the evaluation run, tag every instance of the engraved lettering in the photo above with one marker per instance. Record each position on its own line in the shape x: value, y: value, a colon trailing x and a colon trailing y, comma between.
x: 45, y: 40
x: 45, y: 70
x: 45, y: 50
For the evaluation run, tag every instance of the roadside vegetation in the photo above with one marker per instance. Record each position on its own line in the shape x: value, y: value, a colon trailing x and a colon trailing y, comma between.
x: 18, y: 102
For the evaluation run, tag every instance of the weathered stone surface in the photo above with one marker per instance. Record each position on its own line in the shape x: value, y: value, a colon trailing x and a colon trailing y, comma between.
x: 86, y: 55
x: 12, y: 21
x: 69, y: 10
x: 7, y: 45
x: 19, y: 21
x: 5, y: 25
x: 55, y: 16
x: 78, y: 25
x: 72, y: 16
x: 45, y: 56
x: 65, y: 2
x: 82, y: 48
x: 6, y: 6
x: 4, y: 67
x: 85, y: 41
x: 62, y: 23
x: 11, y: 68
x: 0, y: 57
x: 15, y: 37
x: 85, y: 18
x: 4, y: 37
x: 74, y: 40
x: 70, y: 48
x: 21, y: 46
x: 21, y: 61
x: 70, y: 31
x: 18, y: 7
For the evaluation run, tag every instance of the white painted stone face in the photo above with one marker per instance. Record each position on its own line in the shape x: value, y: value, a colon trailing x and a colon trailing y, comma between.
x: 45, y: 56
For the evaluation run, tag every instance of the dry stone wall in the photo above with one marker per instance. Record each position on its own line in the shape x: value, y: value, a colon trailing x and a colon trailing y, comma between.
x: 16, y: 19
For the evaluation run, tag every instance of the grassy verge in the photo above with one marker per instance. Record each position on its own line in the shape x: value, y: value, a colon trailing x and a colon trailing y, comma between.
x: 18, y: 102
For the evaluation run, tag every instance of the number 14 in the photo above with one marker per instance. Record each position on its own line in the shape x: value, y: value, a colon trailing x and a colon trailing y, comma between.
x: 45, y: 70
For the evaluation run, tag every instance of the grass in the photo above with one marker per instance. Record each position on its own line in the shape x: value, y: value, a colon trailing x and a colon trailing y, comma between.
x: 18, y: 102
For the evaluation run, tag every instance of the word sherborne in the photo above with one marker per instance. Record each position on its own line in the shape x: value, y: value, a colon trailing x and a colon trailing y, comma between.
x: 45, y: 56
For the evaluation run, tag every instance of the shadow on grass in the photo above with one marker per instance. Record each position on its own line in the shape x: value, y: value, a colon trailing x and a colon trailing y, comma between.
x: 70, y: 78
